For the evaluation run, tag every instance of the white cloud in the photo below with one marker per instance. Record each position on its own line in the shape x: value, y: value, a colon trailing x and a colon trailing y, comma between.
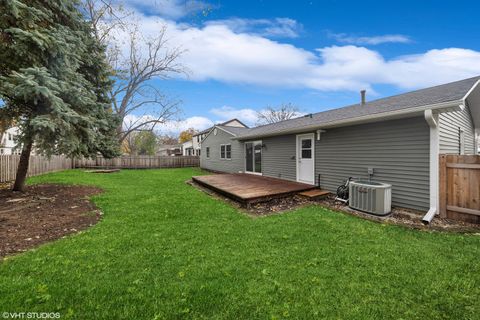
x: 218, y: 52
x: 373, y: 40
x: 198, y: 123
x: 173, y: 127
x: 247, y: 115
x: 270, y: 28
x: 173, y: 9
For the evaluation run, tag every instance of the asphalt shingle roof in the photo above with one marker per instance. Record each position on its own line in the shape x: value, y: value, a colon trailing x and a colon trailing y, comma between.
x: 439, y: 94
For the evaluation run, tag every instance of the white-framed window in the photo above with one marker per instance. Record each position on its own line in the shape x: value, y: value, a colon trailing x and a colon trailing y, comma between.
x: 222, y: 151
x: 2, y: 151
x: 207, y: 151
x: 229, y: 151
x: 226, y: 151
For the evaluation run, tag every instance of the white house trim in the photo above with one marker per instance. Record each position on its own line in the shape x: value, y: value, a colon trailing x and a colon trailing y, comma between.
x: 471, y: 90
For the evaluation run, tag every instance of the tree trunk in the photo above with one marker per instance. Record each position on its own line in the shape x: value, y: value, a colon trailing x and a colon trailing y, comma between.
x: 23, y: 167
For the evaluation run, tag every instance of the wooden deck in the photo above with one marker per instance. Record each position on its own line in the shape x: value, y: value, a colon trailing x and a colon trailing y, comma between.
x: 248, y: 188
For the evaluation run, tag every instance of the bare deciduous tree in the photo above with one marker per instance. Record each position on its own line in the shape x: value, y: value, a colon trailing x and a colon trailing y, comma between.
x: 167, y: 139
x: 272, y: 115
x: 142, y: 60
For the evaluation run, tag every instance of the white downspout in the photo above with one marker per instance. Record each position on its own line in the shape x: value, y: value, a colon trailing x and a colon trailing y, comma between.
x: 432, y: 120
x: 477, y: 141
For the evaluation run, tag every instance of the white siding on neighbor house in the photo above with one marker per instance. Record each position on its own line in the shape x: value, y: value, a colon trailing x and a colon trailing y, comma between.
x: 187, y: 148
x: 397, y: 150
x: 214, y: 162
x: 7, y: 142
x: 450, y: 125
x: 233, y: 123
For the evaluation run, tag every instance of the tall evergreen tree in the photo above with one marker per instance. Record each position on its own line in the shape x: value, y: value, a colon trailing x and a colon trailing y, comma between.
x: 54, y: 81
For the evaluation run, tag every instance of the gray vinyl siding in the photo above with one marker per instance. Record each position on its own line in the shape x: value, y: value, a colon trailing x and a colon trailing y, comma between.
x: 398, y: 150
x: 278, y: 157
x: 450, y: 123
x: 214, y: 162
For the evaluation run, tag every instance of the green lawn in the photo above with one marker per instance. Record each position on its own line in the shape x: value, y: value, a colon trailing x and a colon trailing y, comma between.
x: 166, y: 250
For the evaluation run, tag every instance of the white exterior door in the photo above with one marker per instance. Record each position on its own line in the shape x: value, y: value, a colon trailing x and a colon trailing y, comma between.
x: 306, y: 158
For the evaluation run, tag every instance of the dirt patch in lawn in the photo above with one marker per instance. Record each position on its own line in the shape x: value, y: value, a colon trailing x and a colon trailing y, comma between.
x: 103, y: 171
x: 399, y: 216
x: 42, y: 214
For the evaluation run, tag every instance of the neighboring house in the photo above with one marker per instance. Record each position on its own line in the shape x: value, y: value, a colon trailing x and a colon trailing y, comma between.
x: 7, y: 142
x: 170, y: 150
x: 198, y: 138
x: 187, y: 148
x: 399, y: 137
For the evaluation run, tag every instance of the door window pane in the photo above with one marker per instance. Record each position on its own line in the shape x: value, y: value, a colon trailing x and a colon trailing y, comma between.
x: 306, y: 144
x: 249, y: 157
x: 306, y: 148
x: 258, y: 157
x: 307, y: 154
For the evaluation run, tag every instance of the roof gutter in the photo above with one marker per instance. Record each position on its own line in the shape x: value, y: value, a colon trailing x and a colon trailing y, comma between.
x: 455, y: 105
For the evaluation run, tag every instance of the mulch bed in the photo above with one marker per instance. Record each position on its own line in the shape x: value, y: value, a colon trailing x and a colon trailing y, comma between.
x: 42, y: 214
x: 399, y: 216
x: 404, y: 217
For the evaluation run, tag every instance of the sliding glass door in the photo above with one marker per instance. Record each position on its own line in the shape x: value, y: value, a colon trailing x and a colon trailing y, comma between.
x: 253, y: 157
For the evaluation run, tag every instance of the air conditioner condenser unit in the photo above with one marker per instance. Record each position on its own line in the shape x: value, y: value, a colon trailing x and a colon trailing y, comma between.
x: 371, y: 197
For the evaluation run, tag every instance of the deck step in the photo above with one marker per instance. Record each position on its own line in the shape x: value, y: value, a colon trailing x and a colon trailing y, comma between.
x: 315, y: 193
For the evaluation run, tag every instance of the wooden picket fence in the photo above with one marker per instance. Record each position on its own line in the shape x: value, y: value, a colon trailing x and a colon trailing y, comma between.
x: 38, y: 165
x: 138, y: 162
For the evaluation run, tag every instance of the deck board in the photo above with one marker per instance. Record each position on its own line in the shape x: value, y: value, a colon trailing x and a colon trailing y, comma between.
x: 250, y: 188
x: 315, y: 193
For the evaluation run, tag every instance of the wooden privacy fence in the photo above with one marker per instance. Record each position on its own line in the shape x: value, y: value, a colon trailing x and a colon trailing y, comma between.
x: 138, y: 162
x: 460, y: 187
x: 38, y: 165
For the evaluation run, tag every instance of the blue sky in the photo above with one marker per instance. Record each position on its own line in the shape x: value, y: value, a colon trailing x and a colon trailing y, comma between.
x: 246, y: 55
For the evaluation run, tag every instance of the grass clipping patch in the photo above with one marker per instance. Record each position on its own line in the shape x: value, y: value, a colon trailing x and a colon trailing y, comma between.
x: 44, y: 213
